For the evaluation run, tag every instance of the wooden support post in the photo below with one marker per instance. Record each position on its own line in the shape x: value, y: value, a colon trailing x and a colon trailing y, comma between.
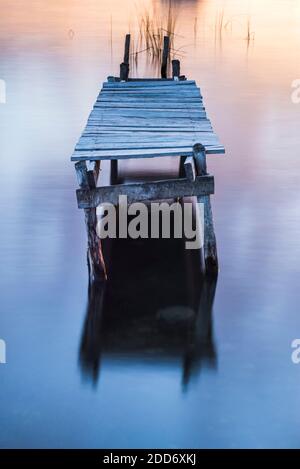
x: 175, y: 69
x: 124, y: 71
x: 189, y: 167
x: 165, y: 56
x: 114, y: 172
x: 210, y: 244
x: 127, y: 49
x: 181, y: 166
x: 124, y: 67
x: 87, y: 176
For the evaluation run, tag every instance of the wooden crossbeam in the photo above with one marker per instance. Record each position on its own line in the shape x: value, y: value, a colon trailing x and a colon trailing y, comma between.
x: 158, y: 190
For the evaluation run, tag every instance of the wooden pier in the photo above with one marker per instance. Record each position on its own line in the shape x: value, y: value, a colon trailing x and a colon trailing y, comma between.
x: 146, y: 118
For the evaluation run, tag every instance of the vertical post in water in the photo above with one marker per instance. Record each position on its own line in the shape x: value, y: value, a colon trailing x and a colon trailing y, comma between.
x: 165, y: 55
x: 175, y: 69
x: 210, y: 244
x: 124, y: 67
x: 87, y: 179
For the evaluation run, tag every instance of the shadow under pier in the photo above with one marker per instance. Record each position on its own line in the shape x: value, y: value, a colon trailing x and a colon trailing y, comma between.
x: 156, y: 308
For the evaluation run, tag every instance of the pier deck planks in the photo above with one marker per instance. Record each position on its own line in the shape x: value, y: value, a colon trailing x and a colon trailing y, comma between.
x: 144, y: 119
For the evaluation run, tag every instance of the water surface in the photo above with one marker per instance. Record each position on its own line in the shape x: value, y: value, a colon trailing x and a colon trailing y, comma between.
x: 142, y: 385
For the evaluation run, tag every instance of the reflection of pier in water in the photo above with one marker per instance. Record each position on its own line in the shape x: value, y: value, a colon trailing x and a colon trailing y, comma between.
x: 156, y: 307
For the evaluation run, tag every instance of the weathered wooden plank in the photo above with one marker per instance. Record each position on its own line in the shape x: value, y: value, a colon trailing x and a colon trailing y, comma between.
x: 145, y: 96
x: 151, y: 106
x: 144, y: 137
x: 152, y: 125
x: 151, y: 92
x: 157, y: 190
x: 140, y: 153
x: 148, y: 101
x: 141, y: 122
x: 148, y: 114
x: 112, y: 130
x: 104, y: 143
x: 114, y: 88
x: 151, y: 83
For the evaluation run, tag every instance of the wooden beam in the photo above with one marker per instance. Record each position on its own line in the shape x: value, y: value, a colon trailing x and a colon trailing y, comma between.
x: 158, y: 190
x: 165, y: 55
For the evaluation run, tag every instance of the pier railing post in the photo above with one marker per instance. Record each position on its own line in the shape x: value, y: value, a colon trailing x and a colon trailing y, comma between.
x: 124, y: 67
x: 175, y: 69
x: 210, y: 244
x: 87, y: 176
x: 165, y: 56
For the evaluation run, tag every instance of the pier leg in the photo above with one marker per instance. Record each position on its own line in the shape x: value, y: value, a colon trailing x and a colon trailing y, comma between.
x: 87, y: 178
x: 165, y: 56
x: 210, y: 244
x: 114, y: 172
x: 181, y: 167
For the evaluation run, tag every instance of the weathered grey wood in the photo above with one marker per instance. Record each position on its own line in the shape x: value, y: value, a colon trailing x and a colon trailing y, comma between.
x: 167, y: 189
x: 99, y: 138
x: 150, y: 84
x: 126, y: 49
x: 165, y: 56
x: 149, y: 113
x: 176, y: 69
x: 142, y: 140
x: 124, y: 71
x: 210, y: 244
x: 135, y: 122
x: 140, y: 153
x: 93, y: 169
x: 98, y: 130
x: 95, y: 127
x: 124, y: 67
x: 166, y: 91
x: 96, y: 265
x: 154, y: 106
x: 181, y: 166
x: 189, y: 167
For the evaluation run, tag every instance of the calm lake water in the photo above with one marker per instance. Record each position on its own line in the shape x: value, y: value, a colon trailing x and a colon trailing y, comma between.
x: 137, y: 376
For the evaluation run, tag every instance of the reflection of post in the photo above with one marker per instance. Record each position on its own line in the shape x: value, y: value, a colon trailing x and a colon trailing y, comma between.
x: 91, y: 343
x: 87, y: 175
x: 201, y: 348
